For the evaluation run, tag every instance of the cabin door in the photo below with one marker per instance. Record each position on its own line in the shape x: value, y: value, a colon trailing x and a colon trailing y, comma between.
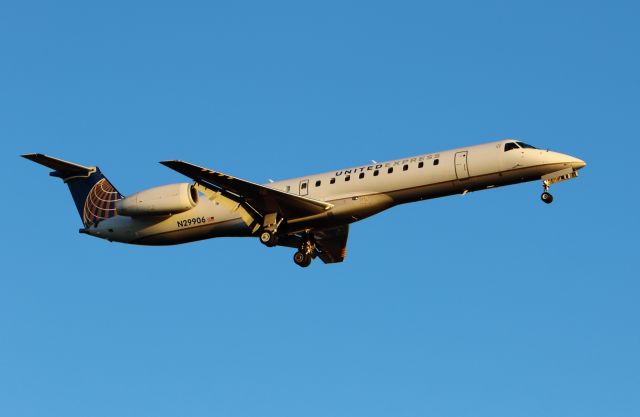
x: 304, y: 187
x: 462, y: 168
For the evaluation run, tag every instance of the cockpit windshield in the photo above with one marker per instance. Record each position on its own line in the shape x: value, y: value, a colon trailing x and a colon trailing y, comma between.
x: 510, y: 145
x: 525, y: 145
x: 517, y: 145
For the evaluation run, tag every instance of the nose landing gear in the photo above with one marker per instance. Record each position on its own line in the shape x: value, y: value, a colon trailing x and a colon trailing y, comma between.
x: 546, y: 196
x: 554, y: 177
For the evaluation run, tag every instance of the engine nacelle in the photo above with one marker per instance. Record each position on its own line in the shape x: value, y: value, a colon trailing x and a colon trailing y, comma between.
x: 158, y: 201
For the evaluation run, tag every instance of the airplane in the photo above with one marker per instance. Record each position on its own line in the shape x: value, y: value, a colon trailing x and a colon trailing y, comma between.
x: 310, y: 213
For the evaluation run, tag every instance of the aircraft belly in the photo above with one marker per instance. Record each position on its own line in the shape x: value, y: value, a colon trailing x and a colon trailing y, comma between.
x: 423, y: 192
x: 361, y: 206
x: 229, y: 228
x: 344, y: 211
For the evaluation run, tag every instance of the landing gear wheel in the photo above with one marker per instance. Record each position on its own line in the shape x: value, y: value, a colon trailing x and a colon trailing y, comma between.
x: 269, y: 239
x: 302, y: 259
x: 546, y: 197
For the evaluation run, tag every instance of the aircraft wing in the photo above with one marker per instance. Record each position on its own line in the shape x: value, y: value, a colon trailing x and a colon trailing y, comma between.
x: 262, y: 200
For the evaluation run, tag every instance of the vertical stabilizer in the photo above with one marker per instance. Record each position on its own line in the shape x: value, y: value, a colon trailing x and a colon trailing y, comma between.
x: 95, y: 197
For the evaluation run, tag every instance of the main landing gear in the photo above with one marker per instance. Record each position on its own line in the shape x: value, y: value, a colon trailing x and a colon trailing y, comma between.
x: 269, y: 233
x: 306, y: 252
x: 269, y: 237
x: 546, y: 196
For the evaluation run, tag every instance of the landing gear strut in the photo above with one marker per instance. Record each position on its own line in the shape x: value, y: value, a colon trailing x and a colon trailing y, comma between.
x: 269, y: 233
x: 546, y: 196
x: 306, y: 252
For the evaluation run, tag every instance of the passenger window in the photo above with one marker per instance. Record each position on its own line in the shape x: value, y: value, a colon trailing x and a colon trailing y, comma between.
x: 420, y: 164
x: 406, y: 167
x: 361, y: 176
x: 390, y: 170
x: 304, y: 185
x: 347, y: 178
x: 509, y: 146
x: 436, y: 161
x: 375, y: 173
x: 318, y: 183
x: 332, y: 181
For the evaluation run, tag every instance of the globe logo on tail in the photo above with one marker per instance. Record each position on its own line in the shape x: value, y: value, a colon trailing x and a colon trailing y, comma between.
x: 100, y: 203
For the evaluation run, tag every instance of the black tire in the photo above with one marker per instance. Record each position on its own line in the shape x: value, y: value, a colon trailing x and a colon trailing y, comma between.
x: 269, y: 239
x: 546, y: 197
x: 302, y: 259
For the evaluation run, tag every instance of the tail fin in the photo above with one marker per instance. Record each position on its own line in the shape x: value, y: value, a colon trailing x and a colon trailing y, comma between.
x: 94, y: 195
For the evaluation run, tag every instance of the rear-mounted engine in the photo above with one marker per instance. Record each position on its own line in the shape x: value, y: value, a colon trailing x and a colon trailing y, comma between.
x: 159, y: 201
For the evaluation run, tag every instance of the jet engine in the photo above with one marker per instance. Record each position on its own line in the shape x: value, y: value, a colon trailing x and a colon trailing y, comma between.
x: 158, y: 201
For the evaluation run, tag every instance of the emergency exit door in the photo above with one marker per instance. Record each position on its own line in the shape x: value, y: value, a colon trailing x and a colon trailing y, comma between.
x: 462, y: 167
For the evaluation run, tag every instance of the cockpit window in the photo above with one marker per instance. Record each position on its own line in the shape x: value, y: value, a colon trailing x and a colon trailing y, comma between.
x: 525, y: 145
x: 510, y: 145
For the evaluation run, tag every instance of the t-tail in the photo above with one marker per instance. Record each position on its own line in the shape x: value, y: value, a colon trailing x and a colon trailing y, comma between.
x: 95, y: 197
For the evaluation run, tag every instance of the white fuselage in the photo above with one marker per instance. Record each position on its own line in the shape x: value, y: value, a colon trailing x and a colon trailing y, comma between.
x: 355, y: 193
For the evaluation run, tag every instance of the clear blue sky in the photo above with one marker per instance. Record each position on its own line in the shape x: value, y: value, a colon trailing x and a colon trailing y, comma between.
x: 492, y: 304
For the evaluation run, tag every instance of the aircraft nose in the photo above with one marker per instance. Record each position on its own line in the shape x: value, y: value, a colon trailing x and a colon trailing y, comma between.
x: 566, y: 160
x: 577, y: 163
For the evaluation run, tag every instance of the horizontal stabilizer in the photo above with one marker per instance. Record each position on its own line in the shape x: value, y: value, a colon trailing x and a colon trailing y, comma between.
x: 61, y: 169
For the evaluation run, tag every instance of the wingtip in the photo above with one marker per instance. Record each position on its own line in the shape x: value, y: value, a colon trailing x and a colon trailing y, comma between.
x: 169, y: 162
x: 177, y: 163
